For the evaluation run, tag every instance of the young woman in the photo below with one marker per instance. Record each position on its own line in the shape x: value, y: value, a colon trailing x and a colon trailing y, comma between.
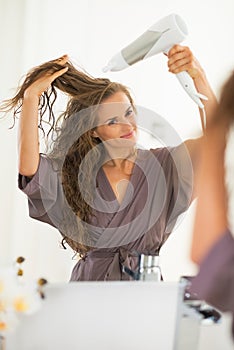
x: 109, y: 199
x: 213, y: 243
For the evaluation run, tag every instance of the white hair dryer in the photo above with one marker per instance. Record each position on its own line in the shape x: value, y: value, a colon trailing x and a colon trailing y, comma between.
x: 164, y: 34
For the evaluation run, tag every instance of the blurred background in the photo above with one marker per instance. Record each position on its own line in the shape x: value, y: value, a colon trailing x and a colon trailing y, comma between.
x: 91, y: 32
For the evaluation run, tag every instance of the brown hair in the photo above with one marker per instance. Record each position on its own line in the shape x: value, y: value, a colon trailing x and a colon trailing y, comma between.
x: 83, y: 92
x: 225, y: 109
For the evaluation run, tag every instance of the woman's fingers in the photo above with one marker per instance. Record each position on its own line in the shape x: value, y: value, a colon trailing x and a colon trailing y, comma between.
x: 180, y: 58
x: 42, y: 84
x: 62, y: 60
x: 58, y: 73
x: 178, y: 63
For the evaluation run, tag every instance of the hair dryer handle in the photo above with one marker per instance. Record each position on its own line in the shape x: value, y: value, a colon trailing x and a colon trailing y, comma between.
x: 187, y: 82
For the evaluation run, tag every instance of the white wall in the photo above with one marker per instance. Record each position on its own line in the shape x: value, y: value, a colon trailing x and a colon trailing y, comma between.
x: 33, y: 31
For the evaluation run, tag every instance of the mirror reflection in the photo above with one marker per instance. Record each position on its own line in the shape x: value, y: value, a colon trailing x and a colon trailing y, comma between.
x: 150, y: 88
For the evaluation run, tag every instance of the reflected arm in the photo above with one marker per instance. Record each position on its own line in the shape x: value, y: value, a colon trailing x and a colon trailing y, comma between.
x: 211, y: 214
x: 28, y: 138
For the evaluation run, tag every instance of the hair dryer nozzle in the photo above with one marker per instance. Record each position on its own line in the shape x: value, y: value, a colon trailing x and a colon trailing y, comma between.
x: 117, y: 63
x: 106, y: 68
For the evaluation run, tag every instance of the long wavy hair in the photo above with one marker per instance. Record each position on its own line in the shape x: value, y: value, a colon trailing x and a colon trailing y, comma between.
x: 225, y: 110
x: 83, y: 91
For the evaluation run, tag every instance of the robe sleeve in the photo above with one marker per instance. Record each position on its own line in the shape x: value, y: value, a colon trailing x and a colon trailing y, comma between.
x: 215, y: 279
x: 178, y: 173
x: 44, y: 192
x: 214, y: 282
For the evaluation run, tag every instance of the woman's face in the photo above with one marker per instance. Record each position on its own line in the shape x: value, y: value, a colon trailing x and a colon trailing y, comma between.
x: 116, y: 124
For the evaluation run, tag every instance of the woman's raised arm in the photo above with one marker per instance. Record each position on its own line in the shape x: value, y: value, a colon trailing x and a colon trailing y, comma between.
x: 28, y: 138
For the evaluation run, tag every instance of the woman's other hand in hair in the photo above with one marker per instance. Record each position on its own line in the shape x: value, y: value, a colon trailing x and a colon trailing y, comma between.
x: 37, y: 88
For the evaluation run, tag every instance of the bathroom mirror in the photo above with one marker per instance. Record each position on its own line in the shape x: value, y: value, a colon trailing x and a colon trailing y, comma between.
x: 91, y: 32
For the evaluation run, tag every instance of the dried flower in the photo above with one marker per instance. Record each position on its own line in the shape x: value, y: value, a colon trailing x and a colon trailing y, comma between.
x: 17, y: 296
x: 20, y: 272
x: 42, y: 282
x: 20, y: 259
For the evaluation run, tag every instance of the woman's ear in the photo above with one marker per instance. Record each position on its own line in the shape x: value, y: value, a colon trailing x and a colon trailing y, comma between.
x: 94, y: 134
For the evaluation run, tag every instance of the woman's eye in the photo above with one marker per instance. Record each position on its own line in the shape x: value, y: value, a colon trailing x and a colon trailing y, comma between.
x: 112, y: 121
x: 129, y: 113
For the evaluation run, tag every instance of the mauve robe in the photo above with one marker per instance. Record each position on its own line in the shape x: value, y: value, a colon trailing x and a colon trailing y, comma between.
x: 215, y: 280
x: 159, y: 191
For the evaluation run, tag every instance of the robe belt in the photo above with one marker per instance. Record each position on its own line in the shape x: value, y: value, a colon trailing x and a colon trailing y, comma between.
x: 121, y: 257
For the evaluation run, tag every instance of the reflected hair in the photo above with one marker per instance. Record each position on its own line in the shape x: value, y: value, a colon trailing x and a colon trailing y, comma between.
x: 225, y: 110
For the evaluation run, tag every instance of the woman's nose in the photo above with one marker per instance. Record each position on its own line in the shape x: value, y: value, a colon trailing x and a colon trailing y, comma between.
x: 125, y: 122
x: 126, y: 127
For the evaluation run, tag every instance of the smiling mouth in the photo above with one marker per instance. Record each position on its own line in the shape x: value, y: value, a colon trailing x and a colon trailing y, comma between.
x: 127, y: 136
